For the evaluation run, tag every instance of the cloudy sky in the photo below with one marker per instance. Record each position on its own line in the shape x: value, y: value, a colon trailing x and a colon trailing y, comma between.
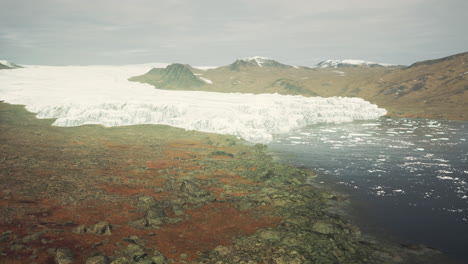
x: 216, y: 32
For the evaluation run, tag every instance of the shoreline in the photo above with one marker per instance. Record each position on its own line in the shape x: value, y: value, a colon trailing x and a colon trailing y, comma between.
x: 165, y: 195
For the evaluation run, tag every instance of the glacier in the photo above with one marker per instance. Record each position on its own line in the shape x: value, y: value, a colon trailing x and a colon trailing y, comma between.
x: 78, y: 95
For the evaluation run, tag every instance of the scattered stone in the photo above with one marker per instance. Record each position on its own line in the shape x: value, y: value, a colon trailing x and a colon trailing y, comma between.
x: 30, y: 238
x: 63, y: 256
x: 136, y: 254
x: 222, y: 250
x: 193, y: 194
x: 325, y: 228
x: 154, y: 214
x: 177, y: 209
x: 102, y: 228
x: 270, y: 235
x: 17, y: 247
x: 135, y: 240
x: 6, y: 236
x: 159, y: 259
x: 244, y: 204
x: 221, y: 153
x: 97, y: 260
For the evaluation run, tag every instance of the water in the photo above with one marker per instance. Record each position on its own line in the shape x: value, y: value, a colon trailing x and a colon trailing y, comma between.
x: 407, y: 178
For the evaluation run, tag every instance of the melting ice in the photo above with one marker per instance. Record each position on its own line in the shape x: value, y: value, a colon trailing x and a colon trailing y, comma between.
x: 77, y: 95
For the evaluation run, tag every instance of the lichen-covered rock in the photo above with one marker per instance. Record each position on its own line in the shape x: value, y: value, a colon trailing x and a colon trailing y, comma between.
x: 191, y: 193
x: 154, y: 214
x: 102, y: 228
x: 149, y: 205
x: 137, y: 254
x: 63, y: 256
x: 270, y: 235
x: 97, y: 260
x: 325, y: 228
x: 5, y: 236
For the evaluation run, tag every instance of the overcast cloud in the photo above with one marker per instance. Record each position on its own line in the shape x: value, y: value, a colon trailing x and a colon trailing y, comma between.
x: 216, y: 32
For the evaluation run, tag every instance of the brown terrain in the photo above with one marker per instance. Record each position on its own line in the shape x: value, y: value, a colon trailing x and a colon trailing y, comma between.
x: 157, y: 194
x: 428, y: 89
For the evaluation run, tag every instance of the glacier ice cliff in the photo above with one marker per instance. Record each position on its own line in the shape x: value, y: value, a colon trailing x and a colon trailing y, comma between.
x: 77, y: 95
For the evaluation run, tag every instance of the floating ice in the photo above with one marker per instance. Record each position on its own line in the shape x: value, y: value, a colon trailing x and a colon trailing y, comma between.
x: 447, y: 178
x: 102, y: 95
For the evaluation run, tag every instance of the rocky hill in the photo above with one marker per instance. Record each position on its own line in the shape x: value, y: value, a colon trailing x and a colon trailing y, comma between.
x: 351, y: 63
x: 174, y: 77
x: 256, y: 61
x: 436, y: 88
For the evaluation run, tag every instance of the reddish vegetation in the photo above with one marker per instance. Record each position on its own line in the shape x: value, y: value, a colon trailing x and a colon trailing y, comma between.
x: 209, y: 226
x: 97, y: 178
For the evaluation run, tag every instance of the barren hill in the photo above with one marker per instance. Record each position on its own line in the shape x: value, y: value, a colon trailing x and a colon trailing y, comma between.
x: 435, y: 88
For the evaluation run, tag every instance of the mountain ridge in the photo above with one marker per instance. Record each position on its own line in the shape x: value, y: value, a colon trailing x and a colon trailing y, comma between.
x: 435, y: 88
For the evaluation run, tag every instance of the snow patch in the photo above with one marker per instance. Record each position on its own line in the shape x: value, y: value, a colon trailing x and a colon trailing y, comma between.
x: 206, y: 80
x: 257, y: 59
x: 336, y: 63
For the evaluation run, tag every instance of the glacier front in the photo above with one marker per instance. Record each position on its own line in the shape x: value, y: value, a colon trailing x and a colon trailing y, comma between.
x: 77, y: 95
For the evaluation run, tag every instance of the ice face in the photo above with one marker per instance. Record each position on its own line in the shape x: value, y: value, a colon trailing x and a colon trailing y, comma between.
x: 102, y: 95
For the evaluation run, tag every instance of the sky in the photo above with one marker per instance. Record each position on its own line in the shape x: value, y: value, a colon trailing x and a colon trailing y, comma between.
x: 217, y: 32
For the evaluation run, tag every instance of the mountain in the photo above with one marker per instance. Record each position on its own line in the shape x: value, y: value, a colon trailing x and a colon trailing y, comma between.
x: 434, y: 88
x: 6, y: 65
x: 256, y: 61
x: 350, y: 63
x: 174, y: 77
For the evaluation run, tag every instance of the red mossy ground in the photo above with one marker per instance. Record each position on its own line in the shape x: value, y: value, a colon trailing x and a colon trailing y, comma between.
x: 104, y: 175
x: 209, y: 226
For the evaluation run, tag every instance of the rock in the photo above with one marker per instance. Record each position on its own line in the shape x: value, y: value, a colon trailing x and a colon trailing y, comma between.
x: 102, y: 228
x: 177, y: 209
x: 244, y: 204
x: 121, y: 260
x: 159, y: 259
x: 149, y: 205
x: 5, y: 236
x: 280, y: 202
x: 32, y: 237
x: 97, y: 260
x: 222, y: 250
x: 270, y: 235
x: 190, y: 188
x: 135, y: 240
x: 63, y: 256
x: 155, y: 214
x: 325, y: 228
x: 135, y: 252
x: 194, y: 194
x: 81, y: 229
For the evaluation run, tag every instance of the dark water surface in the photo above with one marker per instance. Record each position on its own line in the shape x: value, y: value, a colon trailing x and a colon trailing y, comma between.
x: 407, y: 178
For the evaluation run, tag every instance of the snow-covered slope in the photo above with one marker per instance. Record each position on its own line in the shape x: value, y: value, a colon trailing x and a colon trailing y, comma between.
x: 257, y: 61
x: 9, y: 64
x: 102, y: 95
x: 350, y: 63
